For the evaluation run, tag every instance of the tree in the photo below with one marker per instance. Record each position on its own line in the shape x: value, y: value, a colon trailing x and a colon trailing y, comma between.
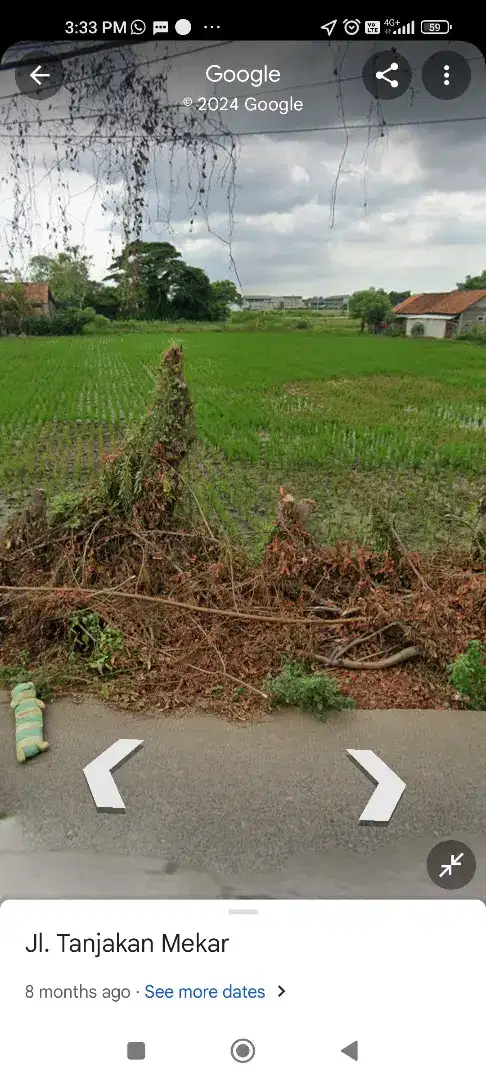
x: 477, y: 282
x: 146, y: 276
x: 14, y: 307
x: 104, y: 299
x: 67, y: 274
x: 192, y: 296
x: 372, y: 306
x: 224, y: 294
x: 398, y: 297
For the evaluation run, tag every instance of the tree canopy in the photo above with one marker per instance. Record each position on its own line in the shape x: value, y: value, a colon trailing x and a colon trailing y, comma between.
x: 371, y: 305
x: 398, y: 297
x: 154, y: 282
x: 67, y: 273
x: 148, y: 281
x: 478, y: 281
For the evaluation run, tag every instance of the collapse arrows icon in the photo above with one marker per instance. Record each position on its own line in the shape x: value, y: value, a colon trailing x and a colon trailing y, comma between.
x: 389, y: 787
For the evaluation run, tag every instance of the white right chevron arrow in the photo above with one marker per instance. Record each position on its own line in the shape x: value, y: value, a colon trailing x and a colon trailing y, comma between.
x: 389, y: 787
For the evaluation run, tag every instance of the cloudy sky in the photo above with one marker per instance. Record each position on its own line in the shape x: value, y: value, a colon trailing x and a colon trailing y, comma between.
x: 342, y: 194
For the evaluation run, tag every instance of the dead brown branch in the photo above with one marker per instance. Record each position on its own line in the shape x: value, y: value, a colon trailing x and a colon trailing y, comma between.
x: 360, y: 641
x: 232, y: 678
x: 365, y: 665
x: 406, y: 557
x: 245, y: 616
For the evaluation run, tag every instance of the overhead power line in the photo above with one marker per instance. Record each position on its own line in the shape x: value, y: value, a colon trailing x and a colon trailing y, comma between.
x: 87, y: 50
x: 384, y: 126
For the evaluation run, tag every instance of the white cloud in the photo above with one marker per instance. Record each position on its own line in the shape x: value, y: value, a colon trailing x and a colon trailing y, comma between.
x: 299, y: 175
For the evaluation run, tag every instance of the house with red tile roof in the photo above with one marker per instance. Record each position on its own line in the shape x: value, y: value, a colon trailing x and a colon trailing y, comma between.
x: 443, y: 315
x: 39, y: 298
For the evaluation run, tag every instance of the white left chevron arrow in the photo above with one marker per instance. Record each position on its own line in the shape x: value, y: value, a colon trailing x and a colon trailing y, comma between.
x: 389, y: 787
x: 98, y: 773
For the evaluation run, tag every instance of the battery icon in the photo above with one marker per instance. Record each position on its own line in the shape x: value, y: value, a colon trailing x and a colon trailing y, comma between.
x: 436, y: 26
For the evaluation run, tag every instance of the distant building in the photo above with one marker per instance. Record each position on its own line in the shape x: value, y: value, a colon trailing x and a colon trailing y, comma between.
x: 272, y: 303
x: 38, y: 296
x: 329, y: 303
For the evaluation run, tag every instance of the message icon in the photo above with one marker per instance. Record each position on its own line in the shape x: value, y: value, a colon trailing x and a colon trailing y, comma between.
x: 160, y: 28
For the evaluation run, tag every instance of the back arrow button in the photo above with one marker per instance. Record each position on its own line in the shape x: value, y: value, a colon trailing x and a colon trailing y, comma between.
x: 351, y: 1051
x: 39, y: 76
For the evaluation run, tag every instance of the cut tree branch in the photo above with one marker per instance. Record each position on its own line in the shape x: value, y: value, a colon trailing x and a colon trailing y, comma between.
x: 360, y: 640
x: 243, y: 616
x: 406, y: 557
x: 365, y: 665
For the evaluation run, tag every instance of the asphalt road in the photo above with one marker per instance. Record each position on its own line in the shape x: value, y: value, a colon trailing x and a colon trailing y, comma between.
x: 215, y: 808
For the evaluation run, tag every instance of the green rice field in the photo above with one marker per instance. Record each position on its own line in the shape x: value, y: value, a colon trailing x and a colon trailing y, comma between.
x: 350, y: 420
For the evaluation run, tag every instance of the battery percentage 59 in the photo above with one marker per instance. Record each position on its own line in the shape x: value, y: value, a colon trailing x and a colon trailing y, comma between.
x: 435, y: 26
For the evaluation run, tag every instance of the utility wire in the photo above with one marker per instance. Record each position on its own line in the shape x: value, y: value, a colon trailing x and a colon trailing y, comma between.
x: 383, y: 125
x: 87, y: 50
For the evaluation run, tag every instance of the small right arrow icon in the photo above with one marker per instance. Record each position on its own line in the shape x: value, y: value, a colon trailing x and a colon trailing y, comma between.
x: 281, y: 990
x: 351, y: 1051
x: 389, y: 787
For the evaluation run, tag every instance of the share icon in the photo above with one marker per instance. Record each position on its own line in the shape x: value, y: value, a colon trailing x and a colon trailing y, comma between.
x: 387, y: 75
x: 383, y: 75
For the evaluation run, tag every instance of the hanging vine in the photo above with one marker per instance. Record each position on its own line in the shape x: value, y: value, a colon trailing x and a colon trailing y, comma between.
x: 112, y: 119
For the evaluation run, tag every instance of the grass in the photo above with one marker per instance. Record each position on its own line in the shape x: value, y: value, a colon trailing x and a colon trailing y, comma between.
x: 346, y: 418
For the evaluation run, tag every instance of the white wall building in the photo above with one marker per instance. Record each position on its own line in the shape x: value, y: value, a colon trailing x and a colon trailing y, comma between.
x: 272, y: 303
x: 443, y: 315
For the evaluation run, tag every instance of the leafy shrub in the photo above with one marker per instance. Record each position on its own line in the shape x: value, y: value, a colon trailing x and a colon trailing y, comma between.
x: 296, y: 685
x: 396, y: 328
x: 95, y: 639
x: 476, y: 334
x: 66, y: 508
x: 62, y: 324
x: 42, y: 677
x: 98, y: 324
x: 418, y: 330
x: 304, y: 324
x: 467, y: 674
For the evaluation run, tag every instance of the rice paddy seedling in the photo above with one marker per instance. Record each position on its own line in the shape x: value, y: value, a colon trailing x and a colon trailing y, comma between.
x: 341, y: 417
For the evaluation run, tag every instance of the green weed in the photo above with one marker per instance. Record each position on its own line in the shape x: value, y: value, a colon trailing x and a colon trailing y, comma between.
x: 296, y: 685
x: 467, y: 674
x: 44, y: 677
x: 100, y: 643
